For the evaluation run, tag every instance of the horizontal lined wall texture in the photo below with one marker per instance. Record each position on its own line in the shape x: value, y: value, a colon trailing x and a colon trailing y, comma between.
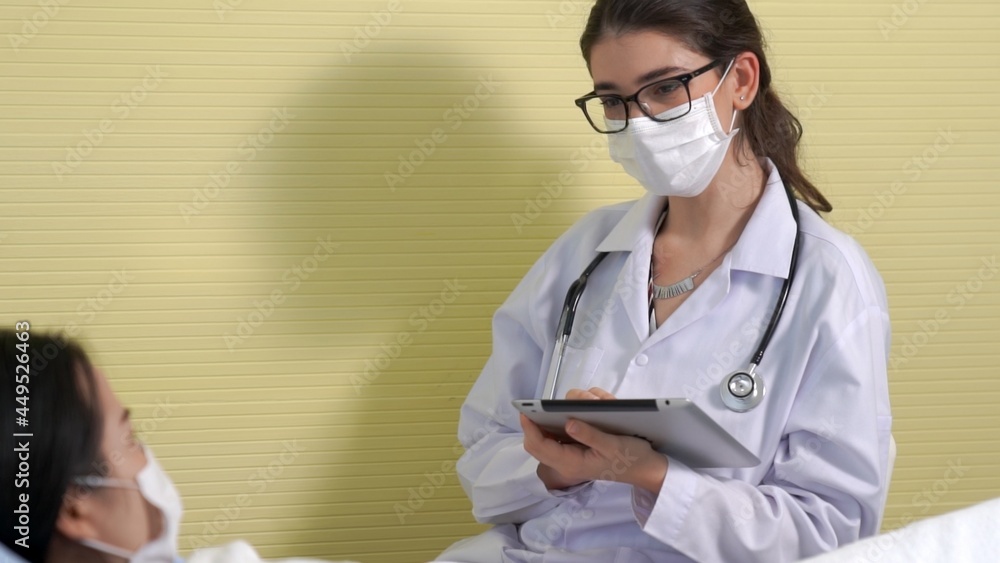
x: 282, y: 228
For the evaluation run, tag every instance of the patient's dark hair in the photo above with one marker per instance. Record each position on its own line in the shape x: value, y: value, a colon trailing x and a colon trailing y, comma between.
x: 720, y: 30
x: 65, y: 421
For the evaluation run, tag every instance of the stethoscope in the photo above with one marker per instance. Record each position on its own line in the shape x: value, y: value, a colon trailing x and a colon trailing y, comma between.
x: 741, y: 390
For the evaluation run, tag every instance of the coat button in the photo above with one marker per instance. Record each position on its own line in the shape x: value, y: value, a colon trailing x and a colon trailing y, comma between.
x: 641, y: 360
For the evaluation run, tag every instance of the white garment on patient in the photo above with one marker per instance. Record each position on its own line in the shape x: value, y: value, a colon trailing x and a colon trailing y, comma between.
x: 240, y: 552
x: 8, y: 556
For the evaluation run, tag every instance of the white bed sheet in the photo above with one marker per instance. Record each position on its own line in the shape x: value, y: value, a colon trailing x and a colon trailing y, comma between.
x: 971, y: 535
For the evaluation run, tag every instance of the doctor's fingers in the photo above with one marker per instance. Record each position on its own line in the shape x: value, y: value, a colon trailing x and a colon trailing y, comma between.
x: 580, y: 395
x: 601, y: 442
x: 537, y: 440
x: 533, y: 435
x: 602, y: 394
x: 592, y: 394
x: 547, y: 450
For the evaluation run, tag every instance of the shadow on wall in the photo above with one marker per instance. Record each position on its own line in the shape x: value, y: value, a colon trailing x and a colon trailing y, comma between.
x: 393, y: 195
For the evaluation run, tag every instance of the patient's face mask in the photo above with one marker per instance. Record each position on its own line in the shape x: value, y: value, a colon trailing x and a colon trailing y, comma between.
x: 678, y: 158
x: 156, y: 487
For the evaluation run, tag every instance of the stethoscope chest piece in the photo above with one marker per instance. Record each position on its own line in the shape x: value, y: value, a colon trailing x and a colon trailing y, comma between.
x: 742, y: 390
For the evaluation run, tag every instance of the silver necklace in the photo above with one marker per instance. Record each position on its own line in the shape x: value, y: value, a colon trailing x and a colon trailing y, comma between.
x: 684, y: 286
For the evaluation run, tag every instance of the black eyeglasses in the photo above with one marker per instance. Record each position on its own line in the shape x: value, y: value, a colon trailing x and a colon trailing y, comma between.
x: 608, y: 113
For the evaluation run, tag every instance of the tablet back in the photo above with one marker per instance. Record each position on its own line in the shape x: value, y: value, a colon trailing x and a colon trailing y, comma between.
x: 675, y: 427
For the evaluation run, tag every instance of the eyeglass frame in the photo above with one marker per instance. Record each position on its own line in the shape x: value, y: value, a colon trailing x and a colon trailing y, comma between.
x: 684, y: 79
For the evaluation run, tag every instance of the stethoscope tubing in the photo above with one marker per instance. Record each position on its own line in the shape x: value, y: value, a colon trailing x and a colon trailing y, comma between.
x: 566, y: 325
x: 575, y: 293
x: 786, y: 287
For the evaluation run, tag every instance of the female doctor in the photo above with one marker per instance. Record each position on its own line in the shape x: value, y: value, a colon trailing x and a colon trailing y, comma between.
x: 696, y: 271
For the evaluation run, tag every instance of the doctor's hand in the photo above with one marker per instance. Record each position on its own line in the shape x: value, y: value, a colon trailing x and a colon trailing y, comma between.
x: 552, y: 478
x: 597, y: 456
x: 592, y: 394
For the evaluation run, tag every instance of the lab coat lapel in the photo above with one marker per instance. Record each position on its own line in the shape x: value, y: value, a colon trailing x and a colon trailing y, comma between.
x: 635, y: 276
x: 634, y: 234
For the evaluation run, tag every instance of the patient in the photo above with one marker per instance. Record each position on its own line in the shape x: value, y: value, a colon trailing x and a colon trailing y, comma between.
x: 95, y: 493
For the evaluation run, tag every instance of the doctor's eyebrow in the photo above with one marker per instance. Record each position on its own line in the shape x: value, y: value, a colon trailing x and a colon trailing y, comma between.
x: 644, y: 79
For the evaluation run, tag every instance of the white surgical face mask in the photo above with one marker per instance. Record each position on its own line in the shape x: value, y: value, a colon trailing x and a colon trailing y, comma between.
x: 156, y: 487
x: 678, y: 158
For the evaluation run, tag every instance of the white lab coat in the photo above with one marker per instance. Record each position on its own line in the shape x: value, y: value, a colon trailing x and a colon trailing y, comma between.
x: 822, y: 431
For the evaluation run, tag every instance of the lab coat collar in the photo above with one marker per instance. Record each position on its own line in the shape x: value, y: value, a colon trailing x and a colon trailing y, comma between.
x: 765, y: 246
x: 636, y: 226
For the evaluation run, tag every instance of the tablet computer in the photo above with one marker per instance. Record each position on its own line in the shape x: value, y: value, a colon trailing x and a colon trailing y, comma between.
x: 675, y: 427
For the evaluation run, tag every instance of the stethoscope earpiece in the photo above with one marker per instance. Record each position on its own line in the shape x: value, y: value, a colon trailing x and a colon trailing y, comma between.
x: 742, y: 390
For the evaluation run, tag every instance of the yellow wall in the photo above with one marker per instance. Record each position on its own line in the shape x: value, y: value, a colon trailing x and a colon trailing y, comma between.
x: 243, y: 343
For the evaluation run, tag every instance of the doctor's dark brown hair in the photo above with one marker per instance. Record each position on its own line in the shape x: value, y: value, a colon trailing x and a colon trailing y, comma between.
x: 65, y: 420
x: 720, y: 30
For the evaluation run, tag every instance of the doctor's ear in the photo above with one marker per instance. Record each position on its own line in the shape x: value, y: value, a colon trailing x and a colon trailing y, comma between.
x: 744, y: 79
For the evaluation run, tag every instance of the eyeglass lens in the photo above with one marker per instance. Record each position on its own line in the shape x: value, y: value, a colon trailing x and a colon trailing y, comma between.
x: 608, y: 113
